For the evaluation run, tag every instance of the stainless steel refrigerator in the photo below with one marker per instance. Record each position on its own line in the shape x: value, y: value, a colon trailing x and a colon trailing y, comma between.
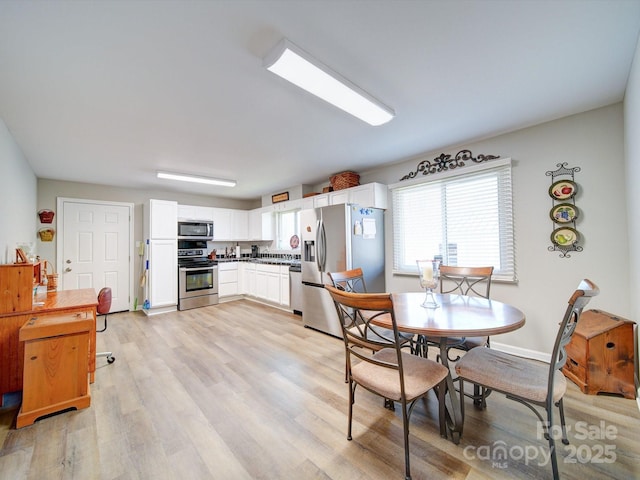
x: 337, y: 238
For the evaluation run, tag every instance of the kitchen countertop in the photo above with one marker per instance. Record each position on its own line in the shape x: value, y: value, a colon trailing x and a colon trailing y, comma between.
x: 263, y: 260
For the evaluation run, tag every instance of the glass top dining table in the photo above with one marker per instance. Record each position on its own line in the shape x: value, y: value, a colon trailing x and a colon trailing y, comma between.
x: 456, y: 316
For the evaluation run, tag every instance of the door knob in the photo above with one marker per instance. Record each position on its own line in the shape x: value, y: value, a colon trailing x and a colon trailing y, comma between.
x: 67, y: 269
x: 68, y: 261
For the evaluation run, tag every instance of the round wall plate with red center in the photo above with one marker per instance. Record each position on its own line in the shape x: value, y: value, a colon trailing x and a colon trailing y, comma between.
x: 563, y: 189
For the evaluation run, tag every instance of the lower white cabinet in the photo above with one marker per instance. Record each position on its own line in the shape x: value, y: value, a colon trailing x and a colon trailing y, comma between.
x: 272, y: 283
x: 247, y: 278
x: 163, y: 273
x: 228, y: 279
x: 284, y: 286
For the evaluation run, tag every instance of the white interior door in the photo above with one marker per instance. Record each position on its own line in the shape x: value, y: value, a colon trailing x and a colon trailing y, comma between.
x: 96, y: 248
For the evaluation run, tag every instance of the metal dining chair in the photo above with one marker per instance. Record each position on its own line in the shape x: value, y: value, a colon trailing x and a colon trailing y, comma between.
x: 353, y: 281
x: 383, y: 367
x: 532, y: 383
x: 470, y: 281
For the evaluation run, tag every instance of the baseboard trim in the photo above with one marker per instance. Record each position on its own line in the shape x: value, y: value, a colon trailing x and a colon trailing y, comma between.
x: 521, y: 352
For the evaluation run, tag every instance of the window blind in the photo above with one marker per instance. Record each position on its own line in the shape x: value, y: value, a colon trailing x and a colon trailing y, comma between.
x: 465, y: 220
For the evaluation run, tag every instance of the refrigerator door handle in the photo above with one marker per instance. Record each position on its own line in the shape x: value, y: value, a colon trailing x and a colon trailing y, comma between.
x: 321, y: 241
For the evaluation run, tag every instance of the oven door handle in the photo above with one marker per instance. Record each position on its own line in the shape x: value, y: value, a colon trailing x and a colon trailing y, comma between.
x: 193, y: 269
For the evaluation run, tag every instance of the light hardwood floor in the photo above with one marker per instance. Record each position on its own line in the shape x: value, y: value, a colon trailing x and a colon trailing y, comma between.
x: 244, y: 391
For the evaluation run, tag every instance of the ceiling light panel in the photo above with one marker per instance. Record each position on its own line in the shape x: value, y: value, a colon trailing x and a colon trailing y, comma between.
x: 182, y: 177
x: 298, y: 67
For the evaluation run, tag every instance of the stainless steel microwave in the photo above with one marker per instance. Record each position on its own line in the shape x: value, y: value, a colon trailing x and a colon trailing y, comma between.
x: 195, y: 230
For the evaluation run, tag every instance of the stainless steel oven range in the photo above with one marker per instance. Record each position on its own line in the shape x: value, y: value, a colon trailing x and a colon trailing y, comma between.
x: 197, y: 276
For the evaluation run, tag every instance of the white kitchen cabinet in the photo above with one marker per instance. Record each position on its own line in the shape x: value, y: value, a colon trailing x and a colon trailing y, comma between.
x: 160, y: 230
x: 315, y: 201
x: 372, y: 195
x: 320, y: 200
x: 222, y: 224
x: 268, y: 282
x: 161, y: 220
x: 284, y: 286
x: 261, y: 283
x: 194, y: 212
x: 268, y: 225
x: 163, y: 273
x: 255, y: 224
x: 261, y: 224
x: 240, y: 220
x: 288, y: 205
x: 242, y: 278
x: 249, y: 279
x: 228, y: 279
x: 339, y: 197
x: 230, y: 224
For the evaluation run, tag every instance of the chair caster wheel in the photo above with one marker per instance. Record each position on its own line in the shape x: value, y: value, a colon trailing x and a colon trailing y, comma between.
x: 111, y: 359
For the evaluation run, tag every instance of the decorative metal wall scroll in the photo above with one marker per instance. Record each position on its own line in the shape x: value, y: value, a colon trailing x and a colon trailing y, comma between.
x: 445, y: 162
x: 564, y: 213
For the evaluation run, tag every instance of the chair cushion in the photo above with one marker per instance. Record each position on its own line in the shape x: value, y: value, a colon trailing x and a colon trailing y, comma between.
x: 510, y: 374
x: 420, y: 375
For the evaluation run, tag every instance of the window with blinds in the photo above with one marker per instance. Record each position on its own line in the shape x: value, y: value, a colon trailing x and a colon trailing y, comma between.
x: 466, y: 220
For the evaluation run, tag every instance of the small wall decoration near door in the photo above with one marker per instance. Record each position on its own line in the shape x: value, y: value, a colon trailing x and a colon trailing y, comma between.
x: 564, y: 213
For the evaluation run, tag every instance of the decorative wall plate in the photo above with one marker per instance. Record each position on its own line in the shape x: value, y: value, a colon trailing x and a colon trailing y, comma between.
x: 565, y: 236
x: 563, y: 189
x: 564, y: 213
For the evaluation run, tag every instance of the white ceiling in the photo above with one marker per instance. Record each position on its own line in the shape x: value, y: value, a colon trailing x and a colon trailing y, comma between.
x: 109, y: 92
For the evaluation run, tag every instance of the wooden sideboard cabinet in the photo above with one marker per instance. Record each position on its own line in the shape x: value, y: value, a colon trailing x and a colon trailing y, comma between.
x: 16, y: 287
x: 56, y: 371
x: 18, y: 306
x: 601, y: 354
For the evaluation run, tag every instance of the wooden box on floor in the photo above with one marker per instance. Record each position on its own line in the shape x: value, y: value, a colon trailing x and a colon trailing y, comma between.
x: 601, y: 354
x: 56, y: 367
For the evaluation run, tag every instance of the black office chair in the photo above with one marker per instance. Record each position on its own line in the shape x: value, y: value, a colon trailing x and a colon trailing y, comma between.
x: 104, y: 305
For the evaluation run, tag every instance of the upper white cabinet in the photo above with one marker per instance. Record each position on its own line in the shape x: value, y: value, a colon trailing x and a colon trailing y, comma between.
x: 194, y: 212
x: 286, y: 206
x: 222, y: 224
x: 373, y: 195
x: 230, y: 224
x: 161, y: 220
x: 339, y: 197
x: 261, y: 224
x: 240, y: 219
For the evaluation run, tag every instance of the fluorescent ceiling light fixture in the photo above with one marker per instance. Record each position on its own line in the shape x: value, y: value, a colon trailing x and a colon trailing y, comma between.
x: 297, y: 66
x: 196, y: 179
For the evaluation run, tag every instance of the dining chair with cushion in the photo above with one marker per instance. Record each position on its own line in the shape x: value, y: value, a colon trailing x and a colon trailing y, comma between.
x: 532, y: 383
x: 381, y: 366
x: 353, y: 281
x: 470, y: 281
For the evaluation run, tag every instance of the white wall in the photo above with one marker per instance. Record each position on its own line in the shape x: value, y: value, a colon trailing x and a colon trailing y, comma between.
x: 592, y: 141
x: 632, y: 156
x: 18, y: 184
x: 632, y: 164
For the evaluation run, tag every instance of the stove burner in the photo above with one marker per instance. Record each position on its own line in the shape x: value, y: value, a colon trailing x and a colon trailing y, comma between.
x: 194, y: 257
